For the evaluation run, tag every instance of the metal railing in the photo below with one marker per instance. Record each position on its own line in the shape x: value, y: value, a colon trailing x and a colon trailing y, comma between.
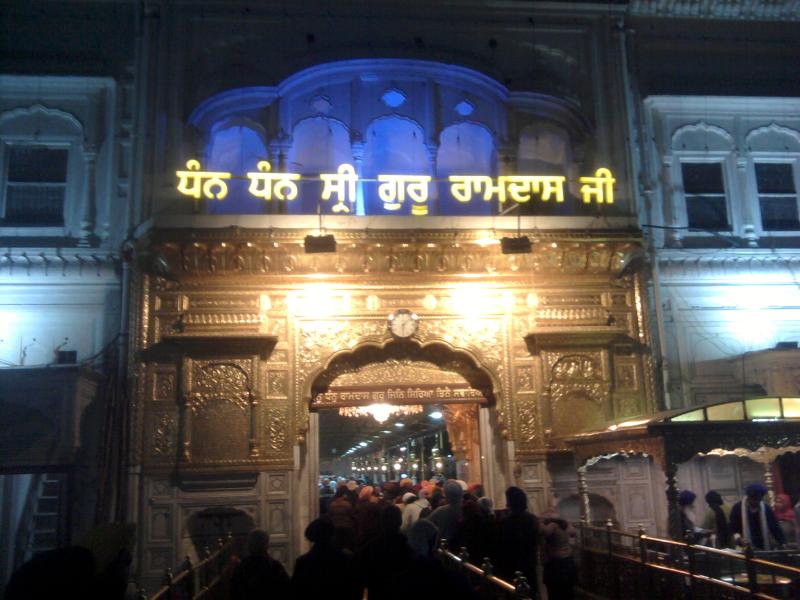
x: 620, y: 565
x: 196, y: 581
x: 483, y: 579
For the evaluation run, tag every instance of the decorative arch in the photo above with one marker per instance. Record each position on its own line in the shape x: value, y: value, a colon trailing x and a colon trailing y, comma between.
x: 319, y: 145
x: 702, y: 136
x: 465, y: 148
x: 448, y: 356
x: 773, y: 138
x: 392, y: 144
x: 38, y: 125
x: 51, y: 122
x: 236, y: 145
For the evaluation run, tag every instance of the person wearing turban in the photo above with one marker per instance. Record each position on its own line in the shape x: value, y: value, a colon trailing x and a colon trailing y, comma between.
x: 716, y: 520
x: 753, y: 522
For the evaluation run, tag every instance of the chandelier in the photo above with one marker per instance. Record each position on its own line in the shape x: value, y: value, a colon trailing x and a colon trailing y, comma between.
x: 380, y: 412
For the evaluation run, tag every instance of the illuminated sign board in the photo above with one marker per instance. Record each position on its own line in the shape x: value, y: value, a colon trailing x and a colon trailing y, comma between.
x: 394, y: 190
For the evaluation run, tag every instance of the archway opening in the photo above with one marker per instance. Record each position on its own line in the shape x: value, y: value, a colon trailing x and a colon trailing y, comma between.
x: 402, y: 413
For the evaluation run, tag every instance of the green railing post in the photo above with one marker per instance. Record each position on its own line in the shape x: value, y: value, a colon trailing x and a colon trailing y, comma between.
x: 688, y: 537
x: 168, y: 581
x: 220, y: 557
x: 752, y: 575
x: 643, y: 573
x: 521, y: 586
x: 190, y: 583
x: 612, y: 567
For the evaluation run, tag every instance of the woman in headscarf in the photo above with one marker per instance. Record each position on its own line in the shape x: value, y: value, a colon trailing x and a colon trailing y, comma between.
x: 784, y: 513
x: 716, y: 520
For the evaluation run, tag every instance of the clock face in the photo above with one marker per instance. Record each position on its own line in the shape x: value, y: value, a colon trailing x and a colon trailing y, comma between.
x: 403, y: 323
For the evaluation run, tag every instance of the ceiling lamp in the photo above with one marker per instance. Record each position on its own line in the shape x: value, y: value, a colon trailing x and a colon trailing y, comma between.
x: 380, y: 412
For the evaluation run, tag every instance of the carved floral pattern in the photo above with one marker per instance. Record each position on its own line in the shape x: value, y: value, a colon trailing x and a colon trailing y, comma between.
x: 163, y: 436
x: 215, y: 381
x: 163, y: 385
x: 277, y: 428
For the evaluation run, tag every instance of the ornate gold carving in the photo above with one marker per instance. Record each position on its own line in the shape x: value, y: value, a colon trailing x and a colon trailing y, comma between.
x: 280, y: 252
x: 163, y: 443
x: 224, y: 302
x: 626, y: 377
x: 527, y: 421
x: 278, y: 355
x: 399, y: 372
x: 163, y: 385
x: 576, y: 367
x: 277, y: 428
x: 215, y: 319
x: 579, y: 391
x: 277, y: 383
x: 524, y: 379
x: 567, y: 298
x: 572, y: 317
x: 627, y: 406
x: 214, y: 382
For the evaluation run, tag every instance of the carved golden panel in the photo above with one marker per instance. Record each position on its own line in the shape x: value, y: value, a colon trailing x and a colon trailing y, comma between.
x: 569, y: 298
x: 399, y: 372
x: 163, y: 432
x: 163, y: 385
x: 219, y: 381
x: 578, y: 407
x: 280, y: 252
x: 277, y: 427
x: 527, y: 421
x: 224, y: 302
x: 524, y: 379
x: 627, y: 378
x: 277, y: 383
x: 627, y: 406
x: 245, y: 281
x: 279, y: 355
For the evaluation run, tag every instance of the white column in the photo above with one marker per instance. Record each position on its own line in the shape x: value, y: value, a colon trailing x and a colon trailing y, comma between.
x: 741, y: 197
x: 88, y: 208
x: 672, y: 204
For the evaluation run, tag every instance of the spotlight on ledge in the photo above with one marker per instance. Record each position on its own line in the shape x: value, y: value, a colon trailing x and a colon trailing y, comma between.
x: 319, y: 244
x: 515, y: 245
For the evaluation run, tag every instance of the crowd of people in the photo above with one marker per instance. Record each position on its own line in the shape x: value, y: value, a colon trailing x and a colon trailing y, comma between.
x: 751, y: 520
x: 384, y: 539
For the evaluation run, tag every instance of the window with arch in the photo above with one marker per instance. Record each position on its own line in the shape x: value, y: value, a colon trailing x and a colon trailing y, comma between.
x: 319, y: 145
x: 702, y: 159
x: 464, y: 149
x: 392, y: 145
x: 544, y: 148
x: 237, y: 146
x: 42, y: 166
x: 774, y: 152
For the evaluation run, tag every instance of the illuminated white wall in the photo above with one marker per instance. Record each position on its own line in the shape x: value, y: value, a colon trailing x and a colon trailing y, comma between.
x: 40, y: 314
x: 726, y: 295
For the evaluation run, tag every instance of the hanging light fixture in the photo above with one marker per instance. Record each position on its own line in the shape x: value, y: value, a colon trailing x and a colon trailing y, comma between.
x: 380, y: 412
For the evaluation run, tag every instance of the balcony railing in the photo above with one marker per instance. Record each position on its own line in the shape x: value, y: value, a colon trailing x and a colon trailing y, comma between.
x: 196, y: 582
x: 482, y: 578
x: 620, y: 565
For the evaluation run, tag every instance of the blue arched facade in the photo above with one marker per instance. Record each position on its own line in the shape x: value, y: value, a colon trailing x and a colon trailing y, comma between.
x: 384, y: 117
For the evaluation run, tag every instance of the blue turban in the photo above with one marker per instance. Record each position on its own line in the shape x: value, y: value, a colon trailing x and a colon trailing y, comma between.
x: 755, y: 489
x: 686, y: 498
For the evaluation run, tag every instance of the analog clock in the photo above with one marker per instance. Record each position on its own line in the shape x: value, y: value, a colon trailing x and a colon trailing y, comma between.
x: 403, y: 323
